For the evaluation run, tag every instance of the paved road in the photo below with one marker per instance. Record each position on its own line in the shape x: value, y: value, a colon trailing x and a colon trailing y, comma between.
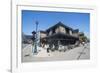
x: 24, y: 45
x: 82, y: 52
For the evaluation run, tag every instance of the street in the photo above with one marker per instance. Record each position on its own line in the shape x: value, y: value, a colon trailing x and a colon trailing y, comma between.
x: 78, y: 53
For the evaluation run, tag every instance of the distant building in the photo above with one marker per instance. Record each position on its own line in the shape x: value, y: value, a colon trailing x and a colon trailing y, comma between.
x: 83, y: 38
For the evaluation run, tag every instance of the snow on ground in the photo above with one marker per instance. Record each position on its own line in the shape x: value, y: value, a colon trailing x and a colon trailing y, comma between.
x: 82, y: 52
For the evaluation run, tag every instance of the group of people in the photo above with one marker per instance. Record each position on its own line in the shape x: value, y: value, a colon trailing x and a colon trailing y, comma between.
x: 59, y: 47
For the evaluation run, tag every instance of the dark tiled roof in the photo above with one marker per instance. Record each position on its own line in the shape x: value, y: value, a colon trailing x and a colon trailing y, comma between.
x: 43, y: 31
x: 59, y: 24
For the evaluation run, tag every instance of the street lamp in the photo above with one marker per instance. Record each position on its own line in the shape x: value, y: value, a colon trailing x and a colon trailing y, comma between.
x: 36, y: 44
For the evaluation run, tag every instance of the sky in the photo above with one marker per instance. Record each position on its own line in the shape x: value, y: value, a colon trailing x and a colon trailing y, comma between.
x: 47, y: 19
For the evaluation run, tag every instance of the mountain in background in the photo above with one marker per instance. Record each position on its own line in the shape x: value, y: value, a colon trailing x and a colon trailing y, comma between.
x: 26, y: 39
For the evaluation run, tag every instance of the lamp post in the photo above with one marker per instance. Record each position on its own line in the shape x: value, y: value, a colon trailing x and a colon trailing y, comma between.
x: 36, y: 44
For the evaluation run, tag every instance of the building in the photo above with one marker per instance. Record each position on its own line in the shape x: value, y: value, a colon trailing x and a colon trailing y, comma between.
x: 83, y: 38
x: 59, y: 34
